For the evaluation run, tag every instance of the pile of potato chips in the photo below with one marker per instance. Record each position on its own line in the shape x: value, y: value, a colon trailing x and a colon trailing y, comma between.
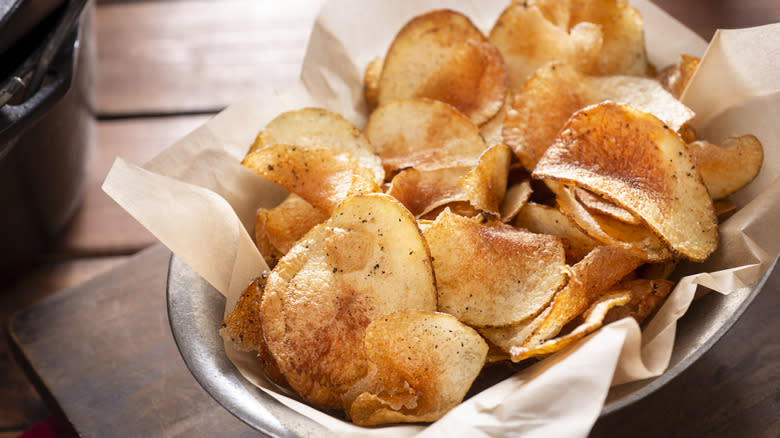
x: 509, y: 194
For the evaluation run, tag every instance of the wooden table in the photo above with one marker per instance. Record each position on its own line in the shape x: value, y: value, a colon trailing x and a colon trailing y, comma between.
x: 164, y: 67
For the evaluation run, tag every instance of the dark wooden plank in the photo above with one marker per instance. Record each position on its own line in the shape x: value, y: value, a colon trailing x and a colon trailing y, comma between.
x: 168, y: 57
x: 20, y: 404
x: 101, y: 226
x: 704, y: 16
x: 105, y: 353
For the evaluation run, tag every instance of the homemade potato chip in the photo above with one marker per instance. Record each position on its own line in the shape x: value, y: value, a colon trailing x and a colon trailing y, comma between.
x: 646, y: 297
x: 422, y: 191
x: 270, y: 254
x: 428, y: 362
x: 543, y: 219
x: 493, y: 274
x: 366, y: 261
x: 634, y: 160
x: 277, y: 229
x: 485, y: 184
x: 442, y: 55
x: 491, y: 130
x: 514, y: 200
x: 675, y: 78
x: 425, y: 134
x: 320, y: 175
x: 371, y: 82
x: 516, y: 334
x: 727, y: 169
x: 557, y: 90
x: 319, y: 127
x: 600, y: 205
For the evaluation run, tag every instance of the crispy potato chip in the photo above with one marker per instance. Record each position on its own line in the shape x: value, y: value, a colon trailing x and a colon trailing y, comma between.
x: 646, y: 297
x: 371, y: 82
x: 557, y: 12
x: 516, y: 197
x: 590, y: 278
x: 675, y: 78
x: 657, y: 271
x: 594, y: 318
x: 270, y: 254
x: 509, y: 275
x: 422, y: 191
x: 460, y: 208
x: 557, y: 90
x: 527, y: 41
x: 283, y: 225
x: 319, y: 127
x: 366, y: 261
x: 244, y: 330
x: 727, y: 169
x: 431, y: 356
x: 543, y: 219
x: 516, y: 334
x: 425, y: 134
x: 485, y: 184
x: 724, y: 208
x: 491, y: 130
x: 597, y: 204
x: 320, y: 175
x: 637, y: 162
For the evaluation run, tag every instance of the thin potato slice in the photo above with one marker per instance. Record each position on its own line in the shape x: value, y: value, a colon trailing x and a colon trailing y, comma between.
x: 422, y: 191
x: 371, y: 82
x: 509, y: 275
x: 474, y: 81
x: 491, y: 130
x: 433, y: 357
x: 543, y: 219
x: 368, y: 260
x: 727, y: 169
x: 270, y: 254
x: 646, y: 297
x: 284, y: 224
x: 557, y: 12
x: 515, y: 199
x: 600, y: 205
x: 320, y: 127
x: 320, y: 175
x: 675, y: 78
x: 527, y: 41
x: 460, y: 208
x: 516, y: 334
x: 556, y: 91
x: 590, y: 278
x: 634, y: 160
x: 425, y: 134
x: 485, y: 184
x: 594, y: 318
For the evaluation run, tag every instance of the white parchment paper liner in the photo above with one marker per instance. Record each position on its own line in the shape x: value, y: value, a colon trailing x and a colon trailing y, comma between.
x: 197, y: 199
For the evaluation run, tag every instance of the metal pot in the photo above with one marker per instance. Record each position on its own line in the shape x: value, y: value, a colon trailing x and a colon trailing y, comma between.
x: 46, y: 124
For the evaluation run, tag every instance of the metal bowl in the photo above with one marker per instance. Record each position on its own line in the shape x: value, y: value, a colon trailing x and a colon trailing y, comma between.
x: 195, y: 313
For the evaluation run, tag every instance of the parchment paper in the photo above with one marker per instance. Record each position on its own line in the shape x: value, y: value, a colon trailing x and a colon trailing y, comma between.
x: 197, y: 199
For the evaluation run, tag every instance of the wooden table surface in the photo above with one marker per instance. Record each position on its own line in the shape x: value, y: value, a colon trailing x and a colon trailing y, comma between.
x: 164, y: 67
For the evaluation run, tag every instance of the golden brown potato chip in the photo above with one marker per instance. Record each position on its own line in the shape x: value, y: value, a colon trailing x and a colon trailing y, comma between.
x: 244, y: 330
x: 320, y: 127
x: 516, y: 334
x: 727, y: 169
x: 557, y: 12
x: 646, y: 297
x: 371, y: 82
x: 428, y: 362
x: 590, y: 278
x: 320, y: 175
x: 270, y: 254
x: 597, y: 204
x: 422, y: 191
x: 527, y: 41
x: 543, y: 219
x: 425, y: 134
x: 724, y: 208
x: 594, y: 318
x: 557, y: 90
x: 461, y: 208
x: 634, y: 160
x: 514, y: 200
x: 441, y: 55
x: 675, y: 78
x: 485, y: 184
x: 492, y: 274
x: 284, y: 224
x: 366, y: 261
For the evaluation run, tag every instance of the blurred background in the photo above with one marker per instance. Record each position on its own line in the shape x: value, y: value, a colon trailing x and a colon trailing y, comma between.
x: 144, y: 73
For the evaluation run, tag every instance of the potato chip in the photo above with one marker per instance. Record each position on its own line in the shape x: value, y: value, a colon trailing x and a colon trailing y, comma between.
x: 485, y: 184
x: 543, y: 219
x: 724, y: 208
x: 320, y: 127
x: 594, y: 318
x: 431, y: 356
x: 283, y: 225
x: 516, y: 334
x: 366, y: 261
x: 527, y: 41
x: 727, y: 169
x: 557, y: 12
x: 425, y: 134
x: 599, y: 205
x: 320, y: 175
x: 460, y: 208
x: 646, y: 297
x: 442, y: 55
x: 371, y: 82
x: 635, y: 160
x: 422, y: 191
x: 508, y: 275
x: 491, y: 130
x: 557, y: 90
x: 675, y: 78
x: 270, y: 254
x: 516, y: 197
x: 590, y: 278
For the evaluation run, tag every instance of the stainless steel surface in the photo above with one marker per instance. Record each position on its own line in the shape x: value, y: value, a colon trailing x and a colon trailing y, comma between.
x: 195, y: 312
